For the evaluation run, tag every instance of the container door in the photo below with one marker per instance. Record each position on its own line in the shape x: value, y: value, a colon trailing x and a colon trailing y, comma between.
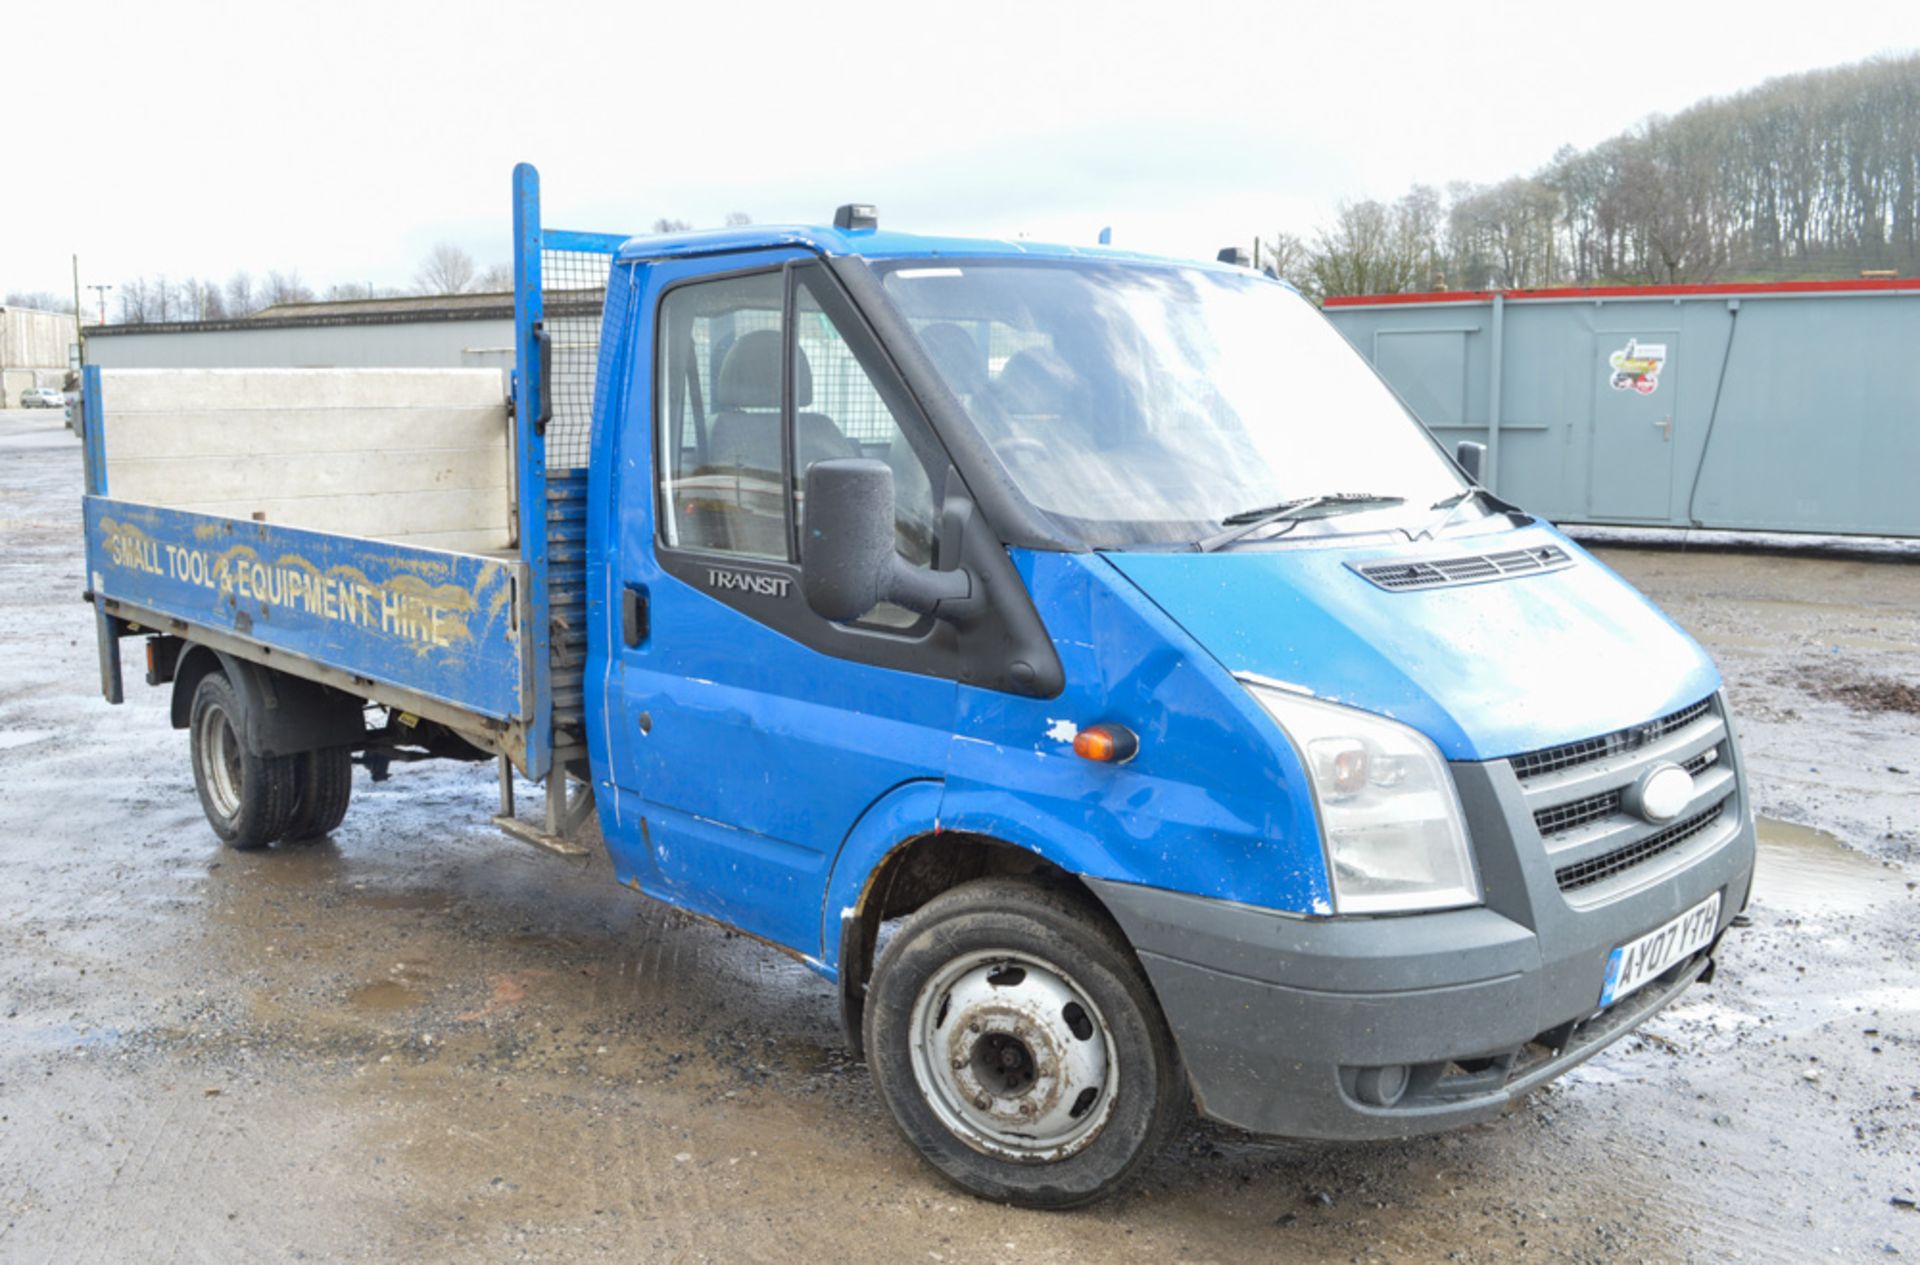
x: 1634, y: 393
x: 753, y: 734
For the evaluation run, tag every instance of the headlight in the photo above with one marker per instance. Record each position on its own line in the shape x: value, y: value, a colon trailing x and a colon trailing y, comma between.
x: 1394, y: 834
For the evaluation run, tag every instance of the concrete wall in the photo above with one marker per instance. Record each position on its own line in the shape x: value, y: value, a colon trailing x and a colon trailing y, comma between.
x: 402, y: 345
x: 31, y: 339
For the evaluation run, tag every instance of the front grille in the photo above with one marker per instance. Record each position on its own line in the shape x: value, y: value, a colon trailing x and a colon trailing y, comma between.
x: 1551, y: 821
x: 1565, y: 756
x: 1572, y: 878
x: 1466, y: 569
x: 1563, y: 817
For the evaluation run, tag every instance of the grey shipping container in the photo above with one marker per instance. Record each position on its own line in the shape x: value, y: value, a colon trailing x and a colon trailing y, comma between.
x: 1789, y: 407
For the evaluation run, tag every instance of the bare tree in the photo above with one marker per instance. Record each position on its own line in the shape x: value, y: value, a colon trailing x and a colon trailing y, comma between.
x: 446, y: 270
x: 494, y: 279
x: 284, y: 287
x: 665, y: 225
x: 200, y: 301
x: 1291, y: 259
x: 1505, y: 235
x: 1376, y: 248
x: 132, y: 298
x: 164, y: 299
x: 738, y: 219
x: 240, y: 300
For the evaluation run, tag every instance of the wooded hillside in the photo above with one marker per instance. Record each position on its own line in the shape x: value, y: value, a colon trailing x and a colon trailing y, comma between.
x: 1813, y: 175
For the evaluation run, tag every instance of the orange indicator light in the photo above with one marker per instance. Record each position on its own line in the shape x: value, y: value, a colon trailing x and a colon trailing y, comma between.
x: 1106, y: 744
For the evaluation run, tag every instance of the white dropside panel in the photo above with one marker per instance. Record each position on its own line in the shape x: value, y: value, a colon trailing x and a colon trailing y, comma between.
x: 414, y: 455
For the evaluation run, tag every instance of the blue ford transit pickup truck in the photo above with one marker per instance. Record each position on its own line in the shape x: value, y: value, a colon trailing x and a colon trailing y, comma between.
x: 1082, y: 658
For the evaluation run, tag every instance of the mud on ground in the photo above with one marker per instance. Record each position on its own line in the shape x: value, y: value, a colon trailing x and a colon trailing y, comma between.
x: 421, y: 1041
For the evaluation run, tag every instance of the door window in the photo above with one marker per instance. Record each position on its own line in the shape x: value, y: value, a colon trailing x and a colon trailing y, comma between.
x: 747, y: 404
x: 721, y: 463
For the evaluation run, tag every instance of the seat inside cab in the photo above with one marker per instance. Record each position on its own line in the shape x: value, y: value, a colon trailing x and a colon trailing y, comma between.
x: 740, y: 478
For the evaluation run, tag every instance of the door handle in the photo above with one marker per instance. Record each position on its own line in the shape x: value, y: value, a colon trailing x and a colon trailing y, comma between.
x: 636, y: 620
x: 1666, y: 427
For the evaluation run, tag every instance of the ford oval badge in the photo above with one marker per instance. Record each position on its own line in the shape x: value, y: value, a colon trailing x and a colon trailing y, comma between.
x: 1662, y: 793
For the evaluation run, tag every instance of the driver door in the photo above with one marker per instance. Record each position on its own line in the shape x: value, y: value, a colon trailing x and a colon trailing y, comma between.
x: 754, y: 733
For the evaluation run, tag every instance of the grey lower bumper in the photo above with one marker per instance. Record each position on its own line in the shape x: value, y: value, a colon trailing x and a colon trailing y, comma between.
x: 1281, y: 1020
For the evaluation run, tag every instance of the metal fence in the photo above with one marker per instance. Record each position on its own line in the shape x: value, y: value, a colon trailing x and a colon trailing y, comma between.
x: 575, y: 285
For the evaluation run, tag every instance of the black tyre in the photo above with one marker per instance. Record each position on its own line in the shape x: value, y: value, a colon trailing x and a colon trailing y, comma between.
x: 247, y: 797
x: 322, y: 787
x: 1019, y: 1048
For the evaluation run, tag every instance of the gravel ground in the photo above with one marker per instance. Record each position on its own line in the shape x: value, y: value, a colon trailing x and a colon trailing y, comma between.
x: 420, y: 1040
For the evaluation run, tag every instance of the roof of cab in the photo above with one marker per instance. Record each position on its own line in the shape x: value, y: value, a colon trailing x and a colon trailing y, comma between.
x: 867, y: 243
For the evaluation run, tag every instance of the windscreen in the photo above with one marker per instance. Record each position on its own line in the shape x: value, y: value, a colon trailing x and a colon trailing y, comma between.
x: 1148, y: 405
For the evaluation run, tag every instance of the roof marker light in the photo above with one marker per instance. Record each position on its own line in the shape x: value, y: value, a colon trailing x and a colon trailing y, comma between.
x: 857, y: 215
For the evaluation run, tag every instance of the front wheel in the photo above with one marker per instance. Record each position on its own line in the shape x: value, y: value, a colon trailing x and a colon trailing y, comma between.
x: 1019, y: 1048
x: 248, y: 797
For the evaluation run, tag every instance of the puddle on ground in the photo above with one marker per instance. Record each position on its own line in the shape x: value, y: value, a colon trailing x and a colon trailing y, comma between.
x: 288, y: 865
x: 23, y: 737
x: 385, y: 995
x: 1806, y: 871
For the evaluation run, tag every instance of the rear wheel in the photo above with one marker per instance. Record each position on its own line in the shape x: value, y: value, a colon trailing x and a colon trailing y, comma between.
x: 323, y: 785
x: 1021, y: 1052
x: 247, y: 796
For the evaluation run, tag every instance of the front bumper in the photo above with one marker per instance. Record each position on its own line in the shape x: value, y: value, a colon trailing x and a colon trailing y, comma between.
x: 1282, y: 1020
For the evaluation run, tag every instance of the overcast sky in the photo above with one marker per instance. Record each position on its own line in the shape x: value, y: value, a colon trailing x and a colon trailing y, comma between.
x: 343, y: 139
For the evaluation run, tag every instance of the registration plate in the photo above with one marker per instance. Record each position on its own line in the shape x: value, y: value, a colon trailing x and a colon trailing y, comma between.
x: 1637, y: 961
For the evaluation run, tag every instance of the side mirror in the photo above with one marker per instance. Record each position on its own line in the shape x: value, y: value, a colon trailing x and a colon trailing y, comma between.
x: 1472, y: 458
x: 848, y: 564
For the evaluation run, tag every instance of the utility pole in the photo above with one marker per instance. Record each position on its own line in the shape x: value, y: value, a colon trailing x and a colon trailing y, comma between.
x: 79, y: 340
x: 101, y: 291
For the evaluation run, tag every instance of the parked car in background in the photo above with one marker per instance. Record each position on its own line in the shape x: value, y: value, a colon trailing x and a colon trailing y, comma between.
x: 43, y: 397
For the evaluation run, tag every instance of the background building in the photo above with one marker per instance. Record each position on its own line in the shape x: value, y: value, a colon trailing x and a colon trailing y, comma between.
x: 34, y: 347
x: 450, y: 331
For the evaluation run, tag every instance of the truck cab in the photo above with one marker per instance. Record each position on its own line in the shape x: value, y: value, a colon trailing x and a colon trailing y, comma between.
x: 1089, y: 664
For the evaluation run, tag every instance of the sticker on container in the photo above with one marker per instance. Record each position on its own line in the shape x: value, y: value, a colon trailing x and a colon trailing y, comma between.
x: 1636, y: 367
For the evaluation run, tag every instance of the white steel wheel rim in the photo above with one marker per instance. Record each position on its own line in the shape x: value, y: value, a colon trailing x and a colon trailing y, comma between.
x: 1013, y: 1056
x: 220, y: 758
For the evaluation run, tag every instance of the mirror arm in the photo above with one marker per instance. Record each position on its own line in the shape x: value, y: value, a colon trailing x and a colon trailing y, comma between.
x: 1471, y: 457
x: 921, y: 590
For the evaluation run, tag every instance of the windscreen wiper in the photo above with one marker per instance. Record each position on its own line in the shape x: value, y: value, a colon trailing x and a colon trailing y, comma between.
x: 1454, y: 504
x: 1246, y: 522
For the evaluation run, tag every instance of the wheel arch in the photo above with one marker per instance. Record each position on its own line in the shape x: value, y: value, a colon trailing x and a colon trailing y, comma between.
x: 898, y: 857
x: 280, y: 714
x: 195, y: 664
